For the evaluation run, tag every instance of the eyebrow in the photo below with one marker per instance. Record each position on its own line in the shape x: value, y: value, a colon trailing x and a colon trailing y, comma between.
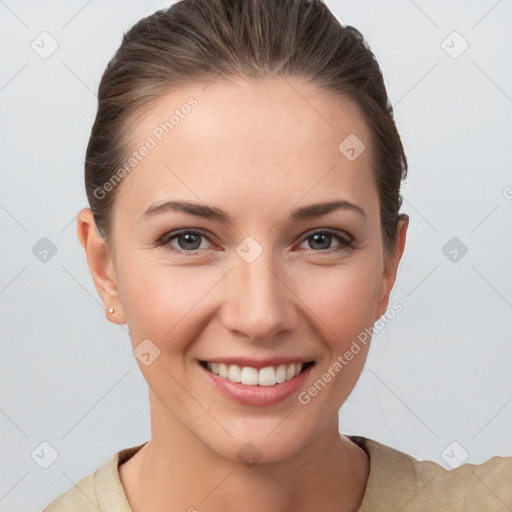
x: 201, y: 210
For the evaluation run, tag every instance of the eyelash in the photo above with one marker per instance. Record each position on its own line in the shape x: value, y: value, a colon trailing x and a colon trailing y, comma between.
x: 346, y: 243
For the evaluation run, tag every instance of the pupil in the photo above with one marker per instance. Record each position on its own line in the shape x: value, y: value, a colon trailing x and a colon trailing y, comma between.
x: 189, y: 238
x: 325, y: 236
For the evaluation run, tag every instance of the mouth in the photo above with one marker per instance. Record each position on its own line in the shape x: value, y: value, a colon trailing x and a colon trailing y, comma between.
x: 267, y: 376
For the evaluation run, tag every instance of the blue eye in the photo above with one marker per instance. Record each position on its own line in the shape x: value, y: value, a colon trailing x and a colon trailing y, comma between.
x: 189, y: 241
x: 319, y: 237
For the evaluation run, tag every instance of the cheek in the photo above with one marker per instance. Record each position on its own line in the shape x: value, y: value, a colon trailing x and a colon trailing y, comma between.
x: 172, y: 304
x: 163, y: 302
x: 343, y: 304
x: 343, y: 298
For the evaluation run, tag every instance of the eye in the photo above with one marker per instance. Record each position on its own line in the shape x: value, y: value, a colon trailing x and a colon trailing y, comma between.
x: 322, y: 240
x: 188, y: 241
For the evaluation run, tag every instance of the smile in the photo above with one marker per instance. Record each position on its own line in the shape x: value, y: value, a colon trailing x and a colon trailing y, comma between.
x: 249, y: 376
x: 256, y: 382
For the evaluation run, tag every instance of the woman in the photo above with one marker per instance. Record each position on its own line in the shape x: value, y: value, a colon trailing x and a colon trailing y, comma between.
x: 243, y: 175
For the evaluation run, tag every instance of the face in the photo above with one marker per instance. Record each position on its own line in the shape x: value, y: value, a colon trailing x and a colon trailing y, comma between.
x: 250, y: 277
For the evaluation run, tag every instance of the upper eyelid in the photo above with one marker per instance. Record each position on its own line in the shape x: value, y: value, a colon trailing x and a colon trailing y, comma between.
x: 173, y: 234
x: 339, y: 232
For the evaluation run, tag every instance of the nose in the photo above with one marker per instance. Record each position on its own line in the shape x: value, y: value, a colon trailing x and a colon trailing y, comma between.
x: 259, y: 302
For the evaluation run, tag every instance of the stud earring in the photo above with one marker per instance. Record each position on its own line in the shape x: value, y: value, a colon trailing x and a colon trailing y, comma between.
x: 111, y: 310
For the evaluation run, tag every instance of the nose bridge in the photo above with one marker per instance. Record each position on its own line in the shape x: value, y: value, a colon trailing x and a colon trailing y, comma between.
x: 259, y: 303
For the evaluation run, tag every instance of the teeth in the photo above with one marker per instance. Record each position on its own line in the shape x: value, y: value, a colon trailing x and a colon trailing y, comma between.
x: 267, y: 376
x: 234, y: 373
x: 223, y: 370
x: 281, y: 374
x: 249, y: 376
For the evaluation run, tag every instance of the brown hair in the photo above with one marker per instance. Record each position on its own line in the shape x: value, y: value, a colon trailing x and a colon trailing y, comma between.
x: 201, y: 39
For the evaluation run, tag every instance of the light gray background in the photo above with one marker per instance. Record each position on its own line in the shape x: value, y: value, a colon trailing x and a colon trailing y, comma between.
x: 439, y: 373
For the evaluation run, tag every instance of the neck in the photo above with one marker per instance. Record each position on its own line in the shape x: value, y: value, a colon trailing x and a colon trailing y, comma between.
x: 175, y: 471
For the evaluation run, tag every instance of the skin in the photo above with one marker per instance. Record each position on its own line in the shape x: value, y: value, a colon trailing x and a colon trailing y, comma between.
x: 256, y: 150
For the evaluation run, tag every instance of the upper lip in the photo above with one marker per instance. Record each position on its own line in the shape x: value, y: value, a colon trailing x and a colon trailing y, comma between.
x: 258, y: 363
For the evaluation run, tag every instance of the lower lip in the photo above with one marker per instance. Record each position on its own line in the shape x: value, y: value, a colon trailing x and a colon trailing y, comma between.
x: 256, y: 395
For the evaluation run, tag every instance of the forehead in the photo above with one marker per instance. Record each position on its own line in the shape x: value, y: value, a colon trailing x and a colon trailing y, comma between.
x: 233, y: 142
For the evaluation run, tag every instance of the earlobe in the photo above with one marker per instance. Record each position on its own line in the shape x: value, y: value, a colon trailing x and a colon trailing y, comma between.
x: 391, y: 266
x: 100, y: 265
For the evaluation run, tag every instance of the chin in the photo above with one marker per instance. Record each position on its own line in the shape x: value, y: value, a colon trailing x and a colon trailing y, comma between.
x: 262, y: 442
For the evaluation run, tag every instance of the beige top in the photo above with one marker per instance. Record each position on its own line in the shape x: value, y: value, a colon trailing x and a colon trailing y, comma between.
x: 397, y: 482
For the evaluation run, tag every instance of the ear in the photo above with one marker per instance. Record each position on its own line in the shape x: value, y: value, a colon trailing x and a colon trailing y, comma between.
x: 100, y: 265
x: 391, y: 266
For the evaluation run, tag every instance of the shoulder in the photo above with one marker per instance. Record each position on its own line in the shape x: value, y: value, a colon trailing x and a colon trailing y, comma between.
x: 398, y: 480
x: 101, y: 490
x: 79, y: 498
